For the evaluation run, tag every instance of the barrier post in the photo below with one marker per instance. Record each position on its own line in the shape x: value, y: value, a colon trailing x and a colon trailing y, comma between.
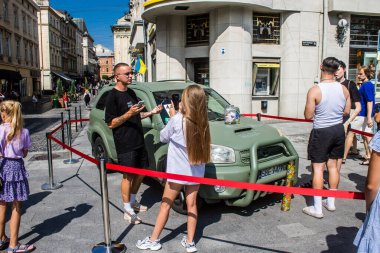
x: 71, y: 160
x: 107, y: 246
x: 50, y: 185
x: 80, y: 116
x: 63, y: 130
x: 258, y: 115
x: 287, y: 197
x: 76, y: 118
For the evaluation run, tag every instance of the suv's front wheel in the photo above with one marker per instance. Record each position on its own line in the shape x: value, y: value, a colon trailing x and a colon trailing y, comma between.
x: 99, y: 148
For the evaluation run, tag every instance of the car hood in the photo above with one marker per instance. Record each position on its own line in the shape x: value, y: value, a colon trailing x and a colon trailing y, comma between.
x: 241, y: 136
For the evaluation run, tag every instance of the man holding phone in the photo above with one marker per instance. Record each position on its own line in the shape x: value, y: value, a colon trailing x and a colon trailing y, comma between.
x: 123, y: 115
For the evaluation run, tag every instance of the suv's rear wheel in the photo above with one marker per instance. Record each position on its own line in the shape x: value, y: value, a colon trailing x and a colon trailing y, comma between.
x: 99, y: 148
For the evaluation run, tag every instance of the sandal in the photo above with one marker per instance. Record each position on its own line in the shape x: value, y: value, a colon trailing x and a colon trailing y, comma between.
x: 365, y: 162
x: 343, y: 161
x: 4, y: 243
x: 21, y: 248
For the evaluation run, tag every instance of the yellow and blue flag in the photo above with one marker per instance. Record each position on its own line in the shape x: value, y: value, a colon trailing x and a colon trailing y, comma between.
x: 140, y: 66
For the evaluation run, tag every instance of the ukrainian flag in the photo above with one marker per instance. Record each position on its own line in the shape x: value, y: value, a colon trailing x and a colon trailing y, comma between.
x: 140, y: 66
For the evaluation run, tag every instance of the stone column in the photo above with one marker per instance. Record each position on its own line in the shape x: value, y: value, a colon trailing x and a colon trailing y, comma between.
x: 170, y: 62
x: 231, y: 55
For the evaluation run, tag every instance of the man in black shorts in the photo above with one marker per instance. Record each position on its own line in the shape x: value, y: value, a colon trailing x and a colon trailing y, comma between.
x: 123, y: 115
x: 340, y: 76
x: 326, y: 103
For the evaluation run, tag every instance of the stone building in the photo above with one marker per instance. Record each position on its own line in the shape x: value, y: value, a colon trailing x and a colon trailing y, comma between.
x: 19, y: 60
x: 121, y: 35
x: 106, y: 61
x: 262, y: 56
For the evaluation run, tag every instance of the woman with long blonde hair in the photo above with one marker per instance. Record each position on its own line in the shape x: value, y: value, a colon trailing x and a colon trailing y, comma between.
x: 188, y: 135
x: 14, y: 144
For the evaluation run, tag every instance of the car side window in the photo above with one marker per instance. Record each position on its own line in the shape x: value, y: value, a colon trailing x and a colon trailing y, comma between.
x: 102, y: 101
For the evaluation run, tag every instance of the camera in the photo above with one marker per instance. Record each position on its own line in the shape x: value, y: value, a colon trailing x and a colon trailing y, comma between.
x: 176, y: 99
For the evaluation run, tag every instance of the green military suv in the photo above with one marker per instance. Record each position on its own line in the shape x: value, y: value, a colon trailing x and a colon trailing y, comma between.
x: 248, y: 152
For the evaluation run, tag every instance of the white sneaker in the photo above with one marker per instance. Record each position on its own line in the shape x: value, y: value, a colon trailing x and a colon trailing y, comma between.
x: 148, y: 244
x: 325, y: 204
x: 190, y: 247
x: 309, y: 210
x: 137, y: 207
x: 132, y: 218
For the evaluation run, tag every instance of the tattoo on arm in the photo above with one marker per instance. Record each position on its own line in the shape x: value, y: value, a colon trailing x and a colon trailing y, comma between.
x: 145, y: 114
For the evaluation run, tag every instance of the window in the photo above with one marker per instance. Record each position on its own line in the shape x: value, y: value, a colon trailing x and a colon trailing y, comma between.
x: 266, y: 28
x: 26, y: 55
x: 18, y: 49
x: 265, y: 79
x: 8, y: 46
x: 24, y: 22
x: 5, y: 10
x: 15, y: 14
x: 1, y: 43
x: 197, y: 30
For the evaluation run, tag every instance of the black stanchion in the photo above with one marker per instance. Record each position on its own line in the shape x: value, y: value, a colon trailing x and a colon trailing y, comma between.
x: 63, y: 129
x: 51, y: 185
x: 71, y: 160
x: 258, y: 116
x: 107, y: 246
x: 76, y: 118
x: 80, y: 116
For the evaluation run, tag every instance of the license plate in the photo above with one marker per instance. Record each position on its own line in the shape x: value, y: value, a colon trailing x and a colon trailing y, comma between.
x: 271, y: 171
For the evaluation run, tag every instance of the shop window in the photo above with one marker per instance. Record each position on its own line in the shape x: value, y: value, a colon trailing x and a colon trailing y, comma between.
x: 197, y: 30
x: 265, y: 79
x: 363, y: 31
x: 266, y: 28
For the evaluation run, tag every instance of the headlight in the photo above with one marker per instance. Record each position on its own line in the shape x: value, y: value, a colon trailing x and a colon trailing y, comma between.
x: 221, y: 154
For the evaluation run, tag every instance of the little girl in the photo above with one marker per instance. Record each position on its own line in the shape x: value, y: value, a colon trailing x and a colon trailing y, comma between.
x: 14, y: 144
x: 188, y: 135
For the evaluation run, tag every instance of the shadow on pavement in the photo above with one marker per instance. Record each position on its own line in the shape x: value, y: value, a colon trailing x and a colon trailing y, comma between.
x: 342, y: 241
x: 359, y: 180
x: 56, y: 224
x: 36, y: 125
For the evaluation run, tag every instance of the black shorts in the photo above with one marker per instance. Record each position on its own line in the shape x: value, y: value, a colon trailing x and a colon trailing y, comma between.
x: 326, y: 143
x: 137, y: 158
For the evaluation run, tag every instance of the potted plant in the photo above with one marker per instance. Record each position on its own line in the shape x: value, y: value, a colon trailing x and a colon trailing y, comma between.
x: 72, y: 92
x: 59, y: 92
x: 54, y: 100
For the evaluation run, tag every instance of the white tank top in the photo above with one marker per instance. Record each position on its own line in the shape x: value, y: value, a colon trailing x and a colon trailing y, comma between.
x: 329, y: 111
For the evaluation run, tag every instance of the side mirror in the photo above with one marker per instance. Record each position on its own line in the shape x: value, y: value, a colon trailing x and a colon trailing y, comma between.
x: 147, y: 123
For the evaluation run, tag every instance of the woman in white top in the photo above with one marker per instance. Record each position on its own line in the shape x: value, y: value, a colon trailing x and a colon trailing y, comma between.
x: 188, y: 135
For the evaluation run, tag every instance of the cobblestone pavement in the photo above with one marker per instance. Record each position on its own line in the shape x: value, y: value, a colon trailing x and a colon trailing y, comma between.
x: 40, y: 124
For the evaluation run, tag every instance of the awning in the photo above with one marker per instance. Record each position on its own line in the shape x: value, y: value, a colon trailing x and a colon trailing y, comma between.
x: 62, y: 76
x: 10, y: 75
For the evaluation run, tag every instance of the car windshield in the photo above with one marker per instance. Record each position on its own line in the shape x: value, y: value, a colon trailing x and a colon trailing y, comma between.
x: 215, y: 103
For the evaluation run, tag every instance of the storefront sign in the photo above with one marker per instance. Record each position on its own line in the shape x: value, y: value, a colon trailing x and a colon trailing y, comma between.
x: 307, y: 43
x: 268, y: 65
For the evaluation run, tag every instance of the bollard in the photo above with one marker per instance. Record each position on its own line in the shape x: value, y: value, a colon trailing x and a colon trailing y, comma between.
x: 287, y: 197
x: 71, y: 160
x: 107, y: 246
x: 258, y: 116
x: 76, y: 118
x: 63, y: 129
x: 51, y: 185
x: 80, y: 116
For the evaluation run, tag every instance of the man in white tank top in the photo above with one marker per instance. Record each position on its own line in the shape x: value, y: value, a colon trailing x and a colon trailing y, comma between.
x: 326, y: 104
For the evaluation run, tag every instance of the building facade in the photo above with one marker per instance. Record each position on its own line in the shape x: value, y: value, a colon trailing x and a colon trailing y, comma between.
x: 19, y: 60
x: 262, y: 56
x: 106, y: 61
x: 121, y: 39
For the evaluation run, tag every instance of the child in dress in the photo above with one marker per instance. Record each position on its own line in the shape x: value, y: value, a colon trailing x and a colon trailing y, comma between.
x: 14, y: 144
x: 188, y: 135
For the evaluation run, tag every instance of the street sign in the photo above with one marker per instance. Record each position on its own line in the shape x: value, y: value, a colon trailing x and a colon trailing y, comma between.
x: 307, y: 43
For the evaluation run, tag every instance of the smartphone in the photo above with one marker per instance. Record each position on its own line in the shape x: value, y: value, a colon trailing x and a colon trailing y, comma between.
x: 140, y: 103
x: 176, y: 100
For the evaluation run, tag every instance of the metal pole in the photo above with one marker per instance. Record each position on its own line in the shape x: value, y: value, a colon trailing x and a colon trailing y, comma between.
x: 63, y: 129
x: 76, y: 118
x: 69, y: 136
x: 107, y: 246
x: 80, y: 116
x: 50, y: 185
x: 68, y: 124
x: 258, y: 116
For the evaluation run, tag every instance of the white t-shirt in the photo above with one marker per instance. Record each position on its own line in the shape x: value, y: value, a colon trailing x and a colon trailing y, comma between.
x: 177, y: 159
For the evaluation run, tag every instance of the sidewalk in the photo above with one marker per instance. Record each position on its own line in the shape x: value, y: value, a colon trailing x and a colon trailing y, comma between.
x: 69, y: 219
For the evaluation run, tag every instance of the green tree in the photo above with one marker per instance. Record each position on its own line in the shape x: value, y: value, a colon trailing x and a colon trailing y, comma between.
x: 59, y: 89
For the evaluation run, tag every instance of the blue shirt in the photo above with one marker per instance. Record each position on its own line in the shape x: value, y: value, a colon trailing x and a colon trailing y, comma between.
x: 367, y: 94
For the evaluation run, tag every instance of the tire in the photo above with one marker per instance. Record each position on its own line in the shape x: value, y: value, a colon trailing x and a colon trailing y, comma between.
x: 99, y: 148
x: 179, y: 204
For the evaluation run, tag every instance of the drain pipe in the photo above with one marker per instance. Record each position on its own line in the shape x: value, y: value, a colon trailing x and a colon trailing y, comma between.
x: 325, y: 28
